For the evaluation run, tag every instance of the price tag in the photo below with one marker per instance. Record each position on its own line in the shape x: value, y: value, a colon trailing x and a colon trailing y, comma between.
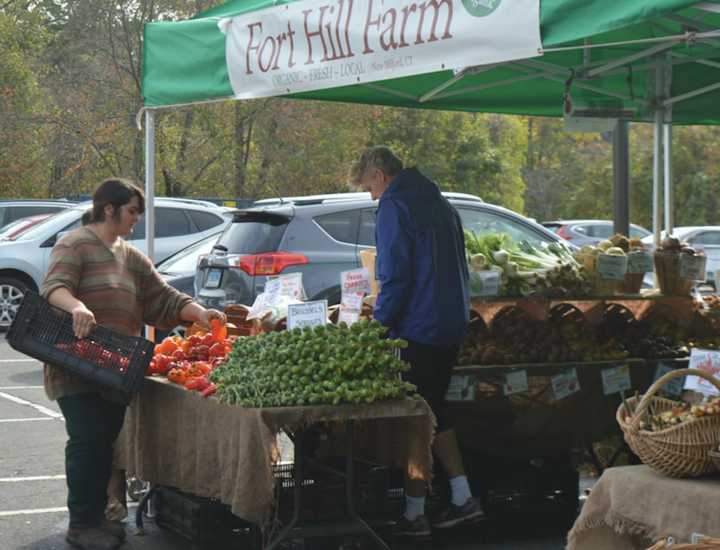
x: 616, y: 379
x: 612, y: 268
x: 484, y: 283
x: 565, y: 384
x: 355, y: 280
x: 516, y: 382
x: 708, y: 361
x: 640, y: 262
x: 675, y: 386
x: 309, y: 314
x: 693, y: 267
x: 462, y: 388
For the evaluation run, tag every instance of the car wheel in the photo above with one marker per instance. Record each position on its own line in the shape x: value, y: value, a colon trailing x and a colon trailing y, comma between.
x: 12, y: 292
x: 178, y: 331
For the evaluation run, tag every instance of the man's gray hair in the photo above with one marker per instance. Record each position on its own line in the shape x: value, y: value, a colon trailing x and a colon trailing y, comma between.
x: 375, y: 158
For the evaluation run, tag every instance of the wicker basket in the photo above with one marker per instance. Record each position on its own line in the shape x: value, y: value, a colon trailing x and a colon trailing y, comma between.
x: 705, y: 543
x: 667, y: 270
x: 677, y: 451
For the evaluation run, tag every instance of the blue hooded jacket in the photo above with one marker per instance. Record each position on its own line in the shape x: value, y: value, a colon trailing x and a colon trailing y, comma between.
x: 421, y: 263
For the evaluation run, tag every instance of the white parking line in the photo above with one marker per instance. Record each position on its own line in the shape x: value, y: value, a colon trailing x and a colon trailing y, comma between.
x: 30, y: 478
x: 39, y: 408
x: 19, y: 361
x: 44, y: 418
x: 10, y: 388
x: 33, y: 511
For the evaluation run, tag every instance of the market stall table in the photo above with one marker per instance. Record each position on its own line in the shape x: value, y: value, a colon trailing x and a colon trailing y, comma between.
x: 176, y: 438
x: 632, y: 507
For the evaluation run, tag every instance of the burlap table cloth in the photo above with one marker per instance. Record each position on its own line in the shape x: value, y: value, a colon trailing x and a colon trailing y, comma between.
x: 177, y: 438
x: 632, y: 507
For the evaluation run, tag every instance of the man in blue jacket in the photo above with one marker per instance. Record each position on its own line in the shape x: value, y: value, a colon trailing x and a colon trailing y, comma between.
x: 422, y: 269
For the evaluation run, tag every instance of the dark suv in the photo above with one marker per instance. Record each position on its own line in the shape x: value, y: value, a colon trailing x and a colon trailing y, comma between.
x: 320, y: 237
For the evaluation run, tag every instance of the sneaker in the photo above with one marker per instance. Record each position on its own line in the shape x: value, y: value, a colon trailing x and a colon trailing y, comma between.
x: 92, y: 538
x: 115, y: 528
x: 418, y: 528
x: 454, y: 515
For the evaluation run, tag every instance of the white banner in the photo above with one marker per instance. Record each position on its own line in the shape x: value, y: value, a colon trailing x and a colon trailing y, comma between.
x: 317, y: 44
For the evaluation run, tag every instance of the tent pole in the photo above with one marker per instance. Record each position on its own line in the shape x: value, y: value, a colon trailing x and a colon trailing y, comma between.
x: 669, y: 187
x: 150, y: 195
x: 658, y: 149
x: 621, y: 176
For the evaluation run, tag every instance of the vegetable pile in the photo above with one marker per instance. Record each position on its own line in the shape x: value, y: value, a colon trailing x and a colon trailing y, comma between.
x: 326, y: 365
x: 526, y: 269
x: 679, y: 414
x: 188, y: 362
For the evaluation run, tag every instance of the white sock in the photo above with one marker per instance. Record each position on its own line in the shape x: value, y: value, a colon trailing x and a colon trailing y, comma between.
x: 460, y: 490
x: 414, y: 507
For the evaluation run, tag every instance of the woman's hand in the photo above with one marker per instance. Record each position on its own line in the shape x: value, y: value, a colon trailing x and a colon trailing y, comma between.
x: 83, y: 320
x: 208, y: 315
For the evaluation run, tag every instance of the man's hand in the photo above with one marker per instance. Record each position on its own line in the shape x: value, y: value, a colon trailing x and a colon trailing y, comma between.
x: 83, y: 320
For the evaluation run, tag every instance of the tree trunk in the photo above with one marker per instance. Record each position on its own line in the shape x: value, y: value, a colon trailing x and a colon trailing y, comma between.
x: 241, y: 150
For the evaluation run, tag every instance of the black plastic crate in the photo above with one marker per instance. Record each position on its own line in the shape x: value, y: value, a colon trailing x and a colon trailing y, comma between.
x: 46, y: 333
x: 203, y: 521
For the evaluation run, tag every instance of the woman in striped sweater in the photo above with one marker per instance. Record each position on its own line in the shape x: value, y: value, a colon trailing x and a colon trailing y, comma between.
x: 100, y: 279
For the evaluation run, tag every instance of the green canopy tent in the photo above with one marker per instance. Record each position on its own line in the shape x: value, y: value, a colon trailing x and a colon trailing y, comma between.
x: 642, y: 60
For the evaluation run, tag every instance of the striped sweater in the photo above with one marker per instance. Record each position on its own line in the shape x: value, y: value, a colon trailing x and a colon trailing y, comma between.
x: 119, y: 285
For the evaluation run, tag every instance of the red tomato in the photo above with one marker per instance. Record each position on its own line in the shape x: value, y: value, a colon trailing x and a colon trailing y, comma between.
x: 217, y: 350
x: 208, y: 340
x: 194, y: 340
x: 178, y: 355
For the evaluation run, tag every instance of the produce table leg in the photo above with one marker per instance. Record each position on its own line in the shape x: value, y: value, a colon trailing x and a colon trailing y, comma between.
x: 353, y: 524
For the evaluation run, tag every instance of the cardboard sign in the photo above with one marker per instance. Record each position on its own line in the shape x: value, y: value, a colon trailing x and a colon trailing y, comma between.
x: 355, y: 280
x: 565, y: 384
x: 693, y: 267
x: 462, y: 388
x: 708, y: 361
x: 516, y: 382
x: 612, y: 268
x: 616, y: 380
x: 675, y: 386
x: 484, y: 283
x: 309, y: 314
x: 640, y: 262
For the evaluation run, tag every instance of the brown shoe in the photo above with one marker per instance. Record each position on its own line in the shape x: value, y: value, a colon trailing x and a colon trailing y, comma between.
x: 115, y: 528
x: 92, y: 538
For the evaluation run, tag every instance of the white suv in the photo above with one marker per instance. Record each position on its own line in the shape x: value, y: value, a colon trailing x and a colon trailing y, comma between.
x: 24, y: 260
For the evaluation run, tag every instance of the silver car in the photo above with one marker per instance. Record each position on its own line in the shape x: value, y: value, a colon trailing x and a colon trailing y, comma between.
x: 24, y: 260
x: 582, y: 232
x: 320, y: 237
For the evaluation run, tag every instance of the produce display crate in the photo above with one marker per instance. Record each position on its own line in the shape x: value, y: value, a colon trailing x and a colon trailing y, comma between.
x: 110, y: 359
x: 203, y: 521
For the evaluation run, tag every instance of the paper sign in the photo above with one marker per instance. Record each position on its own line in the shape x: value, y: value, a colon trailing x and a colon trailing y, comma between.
x: 565, y: 384
x: 675, y: 386
x: 516, y: 382
x: 284, y: 285
x: 350, y: 308
x: 355, y: 280
x: 612, y: 268
x: 258, y: 307
x: 616, y: 379
x: 576, y: 124
x: 693, y: 267
x: 484, y: 283
x: 640, y: 262
x: 309, y: 314
x: 708, y: 361
x: 462, y: 388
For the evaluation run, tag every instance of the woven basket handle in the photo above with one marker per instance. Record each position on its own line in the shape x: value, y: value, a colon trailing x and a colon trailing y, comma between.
x: 660, y: 382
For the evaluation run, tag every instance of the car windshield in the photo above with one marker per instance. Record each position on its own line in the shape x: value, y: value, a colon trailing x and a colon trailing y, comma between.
x: 53, y: 224
x: 185, y: 261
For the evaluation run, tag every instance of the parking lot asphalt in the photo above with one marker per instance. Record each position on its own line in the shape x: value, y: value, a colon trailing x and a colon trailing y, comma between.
x: 33, y: 515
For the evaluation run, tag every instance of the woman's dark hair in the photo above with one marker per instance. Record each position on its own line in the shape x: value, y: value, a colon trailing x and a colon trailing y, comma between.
x: 116, y: 192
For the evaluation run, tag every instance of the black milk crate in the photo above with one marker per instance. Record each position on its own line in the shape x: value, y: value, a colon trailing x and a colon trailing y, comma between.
x: 106, y: 357
x: 203, y: 521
